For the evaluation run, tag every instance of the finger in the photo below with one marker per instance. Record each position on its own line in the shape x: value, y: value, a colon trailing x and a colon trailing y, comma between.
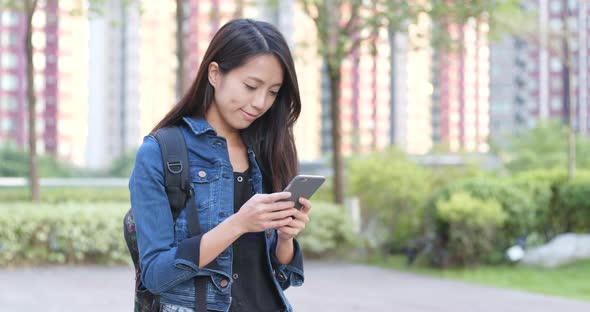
x: 306, y: 204
x: 301, y: 216
x: 296, y: 224
x: 273, y: 197
x: 277, y: 223
x: 280, y: 205
x: 288, y: 230
x: 279, y: 215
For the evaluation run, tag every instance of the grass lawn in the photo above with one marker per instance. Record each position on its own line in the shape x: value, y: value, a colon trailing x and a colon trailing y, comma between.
x: 572, y: 281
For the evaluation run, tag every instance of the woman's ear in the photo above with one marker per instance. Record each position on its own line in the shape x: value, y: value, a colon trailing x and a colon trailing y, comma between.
x: 213, y: 74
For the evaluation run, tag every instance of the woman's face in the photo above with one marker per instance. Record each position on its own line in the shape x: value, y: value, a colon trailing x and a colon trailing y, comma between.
x: 245, y: 93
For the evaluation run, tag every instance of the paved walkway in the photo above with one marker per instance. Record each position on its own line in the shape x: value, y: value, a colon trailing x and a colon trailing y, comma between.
x: 328, y: 287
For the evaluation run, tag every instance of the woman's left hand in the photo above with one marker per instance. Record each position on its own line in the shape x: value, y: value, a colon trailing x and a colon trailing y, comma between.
x: 295, y: 226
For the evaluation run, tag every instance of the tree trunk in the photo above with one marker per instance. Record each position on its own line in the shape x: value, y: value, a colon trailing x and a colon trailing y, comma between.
x: 335, y: 78
x: 392, y: 86
x: 30, y: 7
x: 570, y: 92
x: 179, y: 48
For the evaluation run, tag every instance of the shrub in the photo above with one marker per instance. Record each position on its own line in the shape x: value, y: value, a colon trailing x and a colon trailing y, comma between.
x: 392, y: 190
x: 328, y: 232
x: 71, y: 194
x: 472, y: 226
x: 61, y: 233
x: 64, y: 233
x: 518, y: 206
x: 574, y: 206
x: 559, y: 204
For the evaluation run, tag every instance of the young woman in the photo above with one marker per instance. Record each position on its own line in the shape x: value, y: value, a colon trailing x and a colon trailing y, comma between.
x: 237, y: 120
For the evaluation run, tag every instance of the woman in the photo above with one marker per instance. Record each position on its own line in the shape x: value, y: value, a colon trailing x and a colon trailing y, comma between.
x: 241, y: 108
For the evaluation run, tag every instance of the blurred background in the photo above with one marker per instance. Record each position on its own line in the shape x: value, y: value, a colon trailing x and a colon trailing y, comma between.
x: 455, y: 133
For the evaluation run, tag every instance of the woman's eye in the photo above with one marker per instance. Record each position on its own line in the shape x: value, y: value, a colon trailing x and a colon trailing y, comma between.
x: 274, y: 93
x: 249, y: 87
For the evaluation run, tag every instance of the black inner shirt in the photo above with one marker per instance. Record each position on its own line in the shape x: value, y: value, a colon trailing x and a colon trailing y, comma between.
x: 253, y: 288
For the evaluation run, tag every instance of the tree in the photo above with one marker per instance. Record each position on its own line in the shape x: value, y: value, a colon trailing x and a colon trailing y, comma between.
x: 557, y: 43
x: 542, y: 147
x: 342, y: 27
x: 28, y: 9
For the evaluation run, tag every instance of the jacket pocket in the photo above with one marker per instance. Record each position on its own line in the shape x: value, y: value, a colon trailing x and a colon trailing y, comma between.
x: 205, y: 182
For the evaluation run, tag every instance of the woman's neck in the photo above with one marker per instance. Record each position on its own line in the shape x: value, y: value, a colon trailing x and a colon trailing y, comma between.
x: 231, y: 135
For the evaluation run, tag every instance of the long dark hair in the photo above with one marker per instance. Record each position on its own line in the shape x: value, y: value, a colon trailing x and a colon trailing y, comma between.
x: 271, y: 135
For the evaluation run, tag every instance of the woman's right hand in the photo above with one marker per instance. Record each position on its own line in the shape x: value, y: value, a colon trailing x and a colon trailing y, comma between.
x: 265, y: 211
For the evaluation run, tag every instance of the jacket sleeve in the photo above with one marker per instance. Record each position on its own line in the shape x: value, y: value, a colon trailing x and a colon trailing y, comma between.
x: 163, y: 264
x: 290, y: 274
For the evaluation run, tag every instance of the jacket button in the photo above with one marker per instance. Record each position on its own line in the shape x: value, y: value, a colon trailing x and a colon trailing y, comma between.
x: 202, y: 174
x: 281, y: 277
x: 235, y: 276
x: 223, y: 283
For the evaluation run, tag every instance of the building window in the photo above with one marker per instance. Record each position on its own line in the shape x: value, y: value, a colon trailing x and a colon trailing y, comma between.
x: 555, y: 64
x: 556, y: 84
x: 8, y: 39
x: 9, y: 82
x: 40, y: 105
x: 7, y: 125
x: 9, y: 61
x: 9, y: 18
x: 39, y: 61
x: 556, y: 103
x: 556, y: 25
x: 8, y: 103
x: 38, y: 40
x: 39, y: 82
x: 40, y: 126
x: 556, y: 6
x: 39, y: 19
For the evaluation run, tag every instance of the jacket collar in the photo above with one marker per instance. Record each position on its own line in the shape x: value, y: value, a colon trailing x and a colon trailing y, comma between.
x: 198, y: 125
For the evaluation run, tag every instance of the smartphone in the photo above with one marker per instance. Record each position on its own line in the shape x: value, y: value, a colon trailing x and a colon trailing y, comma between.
x: 303, y: 186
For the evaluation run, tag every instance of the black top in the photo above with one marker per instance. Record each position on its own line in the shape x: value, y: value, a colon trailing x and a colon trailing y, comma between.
x: 253, y: 288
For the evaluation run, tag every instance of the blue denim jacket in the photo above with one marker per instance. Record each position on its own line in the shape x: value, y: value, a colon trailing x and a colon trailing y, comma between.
x: 168, y: 256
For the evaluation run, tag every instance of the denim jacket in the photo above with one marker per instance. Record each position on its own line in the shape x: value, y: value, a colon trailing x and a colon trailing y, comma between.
x: 169, y: 258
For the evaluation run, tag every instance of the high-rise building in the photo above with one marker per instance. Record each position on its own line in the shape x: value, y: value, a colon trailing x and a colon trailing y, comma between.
x: 13, y: 82
x: 131, y: 86
x: 73, y: 73
x: 461, y: 97
x: 411, y: 90
x: 157, y: 63
x: 528, y: 79
x: 113, y: 103
x: 364, y: 100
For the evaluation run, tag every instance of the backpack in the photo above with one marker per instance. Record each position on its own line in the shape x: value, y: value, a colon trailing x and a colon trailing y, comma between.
x: 179, y: 192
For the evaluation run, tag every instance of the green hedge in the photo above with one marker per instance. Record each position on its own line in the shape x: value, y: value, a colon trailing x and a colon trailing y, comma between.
x: 92, y: 233
x: 392, y: 191
x: 54, y: 195
x: 328, y: 232
x: 472, y: 226
x: 539, y: 205
x: 63, y: 233
x: 574, y: 201
x: 518, y: 206
x: 561, y: 205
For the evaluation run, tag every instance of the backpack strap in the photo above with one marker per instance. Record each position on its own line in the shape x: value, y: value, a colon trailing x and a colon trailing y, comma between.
x: 176, y: 170
x: 180, y: 192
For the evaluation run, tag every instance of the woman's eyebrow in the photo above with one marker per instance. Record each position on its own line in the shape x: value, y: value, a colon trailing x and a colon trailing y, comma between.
x: 262, y: 81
